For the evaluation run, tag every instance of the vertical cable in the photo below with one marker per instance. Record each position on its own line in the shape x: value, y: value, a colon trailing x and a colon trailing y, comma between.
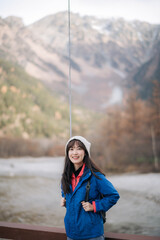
x: 69, y: 54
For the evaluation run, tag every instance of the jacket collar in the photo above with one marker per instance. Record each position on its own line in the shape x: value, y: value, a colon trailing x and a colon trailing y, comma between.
x: 75, y: 179
x: 80, y: 173
x: 86, y: 175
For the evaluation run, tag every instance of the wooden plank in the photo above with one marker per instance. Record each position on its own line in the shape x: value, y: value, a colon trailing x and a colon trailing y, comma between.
x: 124, y: 236
x: 31, y: 232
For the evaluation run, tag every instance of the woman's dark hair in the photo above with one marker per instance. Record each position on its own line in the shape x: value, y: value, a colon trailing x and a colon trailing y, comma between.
x: 69, y: 167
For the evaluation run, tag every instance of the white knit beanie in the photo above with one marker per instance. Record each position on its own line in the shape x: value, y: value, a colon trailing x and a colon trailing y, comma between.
x: 81, y: 139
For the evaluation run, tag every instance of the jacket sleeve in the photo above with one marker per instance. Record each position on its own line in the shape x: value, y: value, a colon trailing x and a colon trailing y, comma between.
x: 110, y: 194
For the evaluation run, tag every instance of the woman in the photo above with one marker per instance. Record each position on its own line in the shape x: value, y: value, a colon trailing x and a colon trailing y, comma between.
x: 83, y: 220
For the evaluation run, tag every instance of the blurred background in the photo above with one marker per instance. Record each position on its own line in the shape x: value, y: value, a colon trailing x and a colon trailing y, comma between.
x: 115, y: 74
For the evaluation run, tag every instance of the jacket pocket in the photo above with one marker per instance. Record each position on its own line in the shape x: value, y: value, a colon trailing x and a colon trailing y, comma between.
x: 95, y: 217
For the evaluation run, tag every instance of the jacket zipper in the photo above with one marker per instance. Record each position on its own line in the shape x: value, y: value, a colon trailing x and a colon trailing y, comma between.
x: 75, y: 182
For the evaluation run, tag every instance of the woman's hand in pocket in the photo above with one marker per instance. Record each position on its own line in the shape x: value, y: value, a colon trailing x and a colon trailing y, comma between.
x: 87, y: 206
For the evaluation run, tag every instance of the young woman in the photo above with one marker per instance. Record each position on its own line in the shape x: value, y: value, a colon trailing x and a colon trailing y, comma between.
x: 83, y: 220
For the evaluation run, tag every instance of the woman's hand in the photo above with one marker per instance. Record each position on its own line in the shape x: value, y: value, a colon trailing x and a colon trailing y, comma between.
x: 63, y: 202
x: 87, y: 206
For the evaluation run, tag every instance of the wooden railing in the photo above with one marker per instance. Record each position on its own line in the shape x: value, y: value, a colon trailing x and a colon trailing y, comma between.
x: 30, y: 232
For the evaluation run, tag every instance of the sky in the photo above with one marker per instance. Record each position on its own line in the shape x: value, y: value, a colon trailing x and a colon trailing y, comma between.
x: 32, y: 10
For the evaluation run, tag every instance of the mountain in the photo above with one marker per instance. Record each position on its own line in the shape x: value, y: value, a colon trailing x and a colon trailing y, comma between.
x: 146, y: 74
x: 104, y: 53
x: 29, y: 110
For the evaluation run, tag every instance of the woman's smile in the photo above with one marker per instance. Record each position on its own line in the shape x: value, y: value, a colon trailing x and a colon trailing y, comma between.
x: 75, y: 157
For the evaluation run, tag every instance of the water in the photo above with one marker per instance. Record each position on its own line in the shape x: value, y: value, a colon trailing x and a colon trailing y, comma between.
x: 30, y: 193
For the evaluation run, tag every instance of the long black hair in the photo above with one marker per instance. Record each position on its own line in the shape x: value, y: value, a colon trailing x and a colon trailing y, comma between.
x: 69, y: 167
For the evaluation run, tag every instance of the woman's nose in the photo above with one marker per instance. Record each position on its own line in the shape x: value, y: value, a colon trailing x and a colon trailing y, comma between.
x: 74, y: 150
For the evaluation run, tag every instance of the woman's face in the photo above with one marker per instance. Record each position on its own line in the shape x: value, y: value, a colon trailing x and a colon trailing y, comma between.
x: 76, y: 155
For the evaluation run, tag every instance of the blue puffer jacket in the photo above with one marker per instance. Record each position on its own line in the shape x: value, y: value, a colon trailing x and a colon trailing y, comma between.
x: 80, y: 224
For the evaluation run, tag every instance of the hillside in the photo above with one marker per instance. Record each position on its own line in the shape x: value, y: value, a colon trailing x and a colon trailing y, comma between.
x: 147, y: 74
x: 104, y: 53
x: 29, y: 110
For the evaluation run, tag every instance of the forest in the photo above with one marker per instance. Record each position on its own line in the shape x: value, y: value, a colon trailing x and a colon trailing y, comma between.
x: 125, y: 139
x: 129, y: 136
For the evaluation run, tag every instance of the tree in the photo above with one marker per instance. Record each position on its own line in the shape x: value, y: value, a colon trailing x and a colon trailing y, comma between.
x: 155, y: 122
